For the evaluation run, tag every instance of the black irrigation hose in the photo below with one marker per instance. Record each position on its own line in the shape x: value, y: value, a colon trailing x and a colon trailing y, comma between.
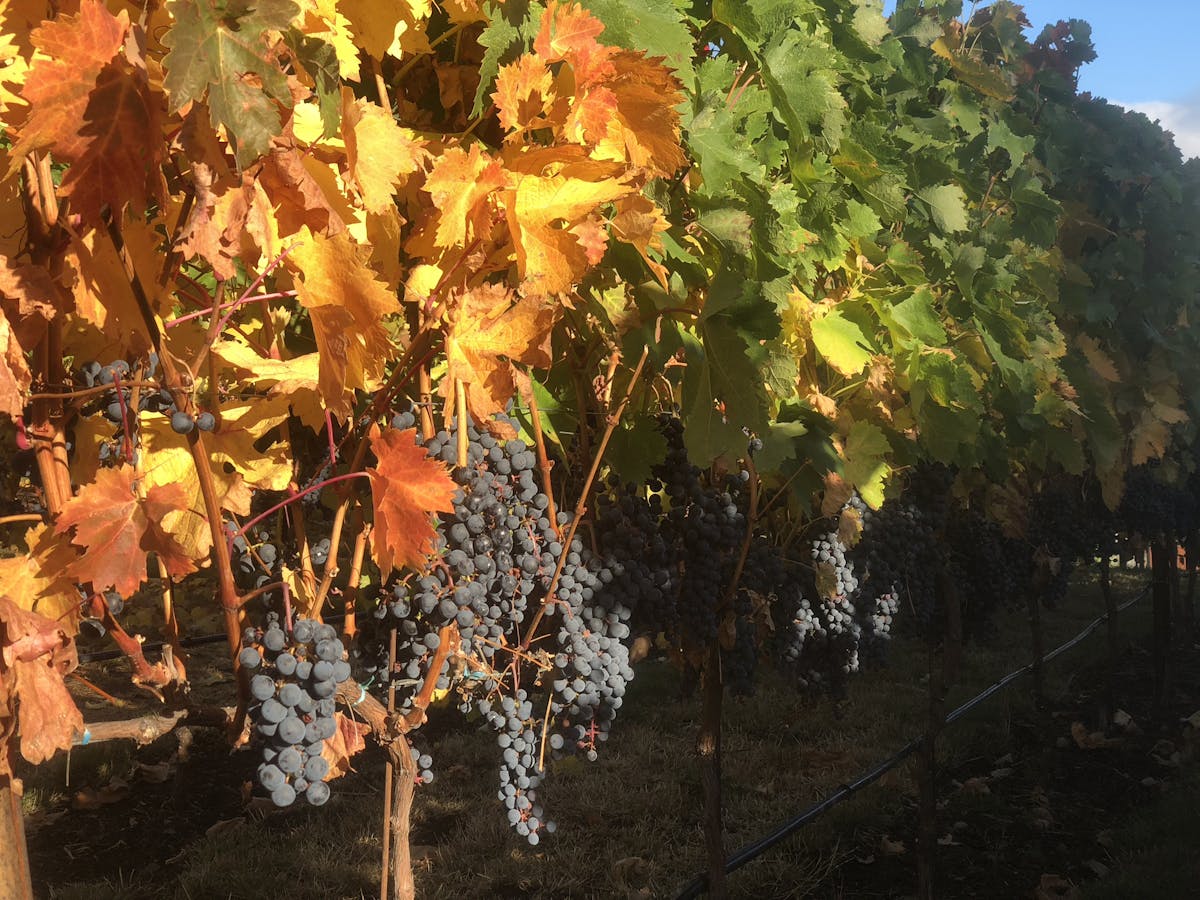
x: 750, y: 852
x: 152, y: 646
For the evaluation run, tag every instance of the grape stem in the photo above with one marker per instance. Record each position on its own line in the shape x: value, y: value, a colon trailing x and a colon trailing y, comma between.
x: 614, y: 419
x: 539, y: 442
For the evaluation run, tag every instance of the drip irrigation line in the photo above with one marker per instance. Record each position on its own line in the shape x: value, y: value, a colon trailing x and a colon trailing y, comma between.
x: 153, y: 646
x: 698, y: 885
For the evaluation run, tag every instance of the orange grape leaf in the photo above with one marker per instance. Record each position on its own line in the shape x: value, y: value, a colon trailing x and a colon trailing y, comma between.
x: 640, y: 222
x: 346, y: 741
x: 117, y: 528
x: 96, y: 111
x: 76, y: 49
x: 592, y: 237
x: 380, y: 153
x: 459, y: 184
x: 213, y: 229
x: 524, y: 94
x: 489, y: 330
x: 38, y: 653
x: 297, y: 196
x: 347, y: 303
x: 37, y: 580
x: 569, y: 33
x: 549, y: 257
x: 407, y: 486
x: 15, y: 376
x: 645, y: 130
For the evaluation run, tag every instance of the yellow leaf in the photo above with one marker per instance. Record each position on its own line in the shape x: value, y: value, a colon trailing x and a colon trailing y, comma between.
x: 641, y: 223
x: 489, y: 329
x: 387, y: 28
x: 321, y: 19
x: 347, y: 303
x: 37, y: 580
x: 540, y: 210
x: 1100, y: 361
x: 380, y: 153
x: 459, y: 184
x: 295, y: 379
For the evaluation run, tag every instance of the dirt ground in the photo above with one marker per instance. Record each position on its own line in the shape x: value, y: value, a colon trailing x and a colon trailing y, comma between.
x: 1033, y: 800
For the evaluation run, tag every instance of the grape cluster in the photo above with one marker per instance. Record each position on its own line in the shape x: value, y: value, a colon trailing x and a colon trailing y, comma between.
x: 899, y: 557
x: 521, y: 772
x: 118, y: 407
x: 292, y: 691
x: 992, y: 569
x: 496, y: 556
x: 255, y: 565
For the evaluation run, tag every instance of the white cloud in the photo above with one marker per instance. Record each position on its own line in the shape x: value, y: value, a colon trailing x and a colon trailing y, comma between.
x: 1181, y: 118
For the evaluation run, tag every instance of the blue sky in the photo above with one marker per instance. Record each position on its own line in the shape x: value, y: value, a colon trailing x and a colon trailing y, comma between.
x: 1148, y: 56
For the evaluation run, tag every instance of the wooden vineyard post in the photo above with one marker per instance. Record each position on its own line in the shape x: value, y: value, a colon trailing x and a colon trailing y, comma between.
x: 1113, y: 635
x: 708, y: 749
x: 1162, y: 560
x: 1191, y: 546
x: 15, y: 881
x: 1035, y: 632
x: 940, y: 679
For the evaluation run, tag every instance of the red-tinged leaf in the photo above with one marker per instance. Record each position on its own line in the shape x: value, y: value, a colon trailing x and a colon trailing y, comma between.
x: 346, y: 741
x: 407, y: 487
x: 36, y: 656
x: 569, y: 33
x: 117, y: 528
x: 524, y: 94
x: 221, y: 50
x: 95, y: 110
x: 59, y: 85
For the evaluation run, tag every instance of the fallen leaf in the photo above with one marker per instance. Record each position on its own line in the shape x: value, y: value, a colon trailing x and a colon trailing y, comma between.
x: 1055, y: 887
x: 888, y: 847
x: 90, y: 798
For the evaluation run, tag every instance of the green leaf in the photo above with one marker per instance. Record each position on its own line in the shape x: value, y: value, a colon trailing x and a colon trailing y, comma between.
x: 917, y: 316
x: 867, y: 451
x: 320, y: 61
x: 635, y: 448
x: 731, y: 226
x: 655, y: 26
x: 948, y: 205
x: 221, y: 48
x: 510, y: 31
x: 805, y: 89
x: 723, y: 367
x: 779, y: 445
x: 841, y: 342
x: 721, y: 149
x: 1000, y: 136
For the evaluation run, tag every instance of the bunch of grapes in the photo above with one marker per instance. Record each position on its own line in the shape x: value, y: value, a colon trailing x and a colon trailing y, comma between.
x: 117, y: 404
x: 493, y: 570
x: 295, y: 677
x: 255, y: 565
x: 993, y: 569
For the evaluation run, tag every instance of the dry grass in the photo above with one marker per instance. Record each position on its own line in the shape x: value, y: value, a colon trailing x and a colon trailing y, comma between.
x: 628, y: 824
